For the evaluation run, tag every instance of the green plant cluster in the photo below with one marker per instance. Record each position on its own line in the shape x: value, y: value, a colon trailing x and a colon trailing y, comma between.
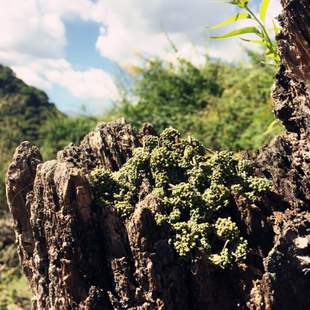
x: 23, y: 110
x: 194, y: 187
x: 225, y: 106
x: 14, y: 288
x: 260, y: 30
x: 60, y: 130
x: 27, y: 115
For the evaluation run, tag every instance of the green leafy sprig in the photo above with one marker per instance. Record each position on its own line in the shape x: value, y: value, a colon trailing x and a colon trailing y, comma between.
x: 260, y: 30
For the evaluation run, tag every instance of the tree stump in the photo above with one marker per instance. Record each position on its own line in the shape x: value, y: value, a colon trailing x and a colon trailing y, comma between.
x: 76, y: 256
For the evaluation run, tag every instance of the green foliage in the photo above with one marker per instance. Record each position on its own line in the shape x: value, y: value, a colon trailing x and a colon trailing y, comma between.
x: 195, y: 191
x: 225, y: 106
x: 60, y: 130
x: 27, y: 115
x: 13, y: 285
x: 14, y: 288
x: 23, y: 110
x: 237, y: 119
x: 167, y: 94
x: 260, y: 31
x: 11, y: 85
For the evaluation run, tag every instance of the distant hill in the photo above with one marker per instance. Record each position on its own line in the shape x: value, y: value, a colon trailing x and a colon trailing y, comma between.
x: 23, y: 110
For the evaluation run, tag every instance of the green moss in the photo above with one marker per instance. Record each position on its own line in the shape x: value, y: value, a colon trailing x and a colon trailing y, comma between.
x: 195, y: 191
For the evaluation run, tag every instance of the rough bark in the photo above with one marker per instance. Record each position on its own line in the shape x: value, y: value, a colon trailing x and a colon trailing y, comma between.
x: 286, y: 163
x: 77, y: 256
x: 61, y: 243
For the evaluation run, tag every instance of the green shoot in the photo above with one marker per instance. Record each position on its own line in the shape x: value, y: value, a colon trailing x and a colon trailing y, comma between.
x: 260, y: 30
x: 270, y: 126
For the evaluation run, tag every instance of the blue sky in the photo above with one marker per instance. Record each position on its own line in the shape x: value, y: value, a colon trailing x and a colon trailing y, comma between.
x: 72, y: 49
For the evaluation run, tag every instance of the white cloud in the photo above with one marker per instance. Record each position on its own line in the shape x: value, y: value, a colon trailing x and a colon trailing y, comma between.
x: 14, y: 58
x: 24, y: 29
x: 43, y: 73
x: 31, y: 77
x: 136, y: 25
x: 70, y: 9
x: 33, y: 36
x: 94, y: 83
x: 58, y: 64
x: 33, y: 41
x: 33, y: 71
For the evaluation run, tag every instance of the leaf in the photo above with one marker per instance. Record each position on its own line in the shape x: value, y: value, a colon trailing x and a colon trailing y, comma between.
x: 270, y: 65
x: 240, y: 3
x: 270, y: 126
x: 232, y: 19
x: 239, y: 32
x: 274, y: 57
x: 272, y: 53
x: 261, y: 42
x: 269, y: 52
x: 276, y: 30
x: 263, y: 10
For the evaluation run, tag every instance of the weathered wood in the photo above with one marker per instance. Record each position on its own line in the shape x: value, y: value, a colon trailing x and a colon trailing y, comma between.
x: 77, y: 256
x: 61, y: 243
x: 286, y: 163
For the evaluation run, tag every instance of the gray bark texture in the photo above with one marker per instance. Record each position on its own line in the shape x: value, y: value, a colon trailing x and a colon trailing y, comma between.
x: 79, y: 257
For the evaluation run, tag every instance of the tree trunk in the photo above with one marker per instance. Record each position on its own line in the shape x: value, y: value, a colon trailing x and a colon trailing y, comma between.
x: 76, y: 256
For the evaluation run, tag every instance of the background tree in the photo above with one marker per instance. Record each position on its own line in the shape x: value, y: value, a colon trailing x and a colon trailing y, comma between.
x: 61, y: 130
x: 23, y: 111
x: 226, y: 106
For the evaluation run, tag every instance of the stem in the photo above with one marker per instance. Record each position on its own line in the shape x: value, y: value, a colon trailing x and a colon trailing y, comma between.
x: 265, y: 33
x: 225, y: 245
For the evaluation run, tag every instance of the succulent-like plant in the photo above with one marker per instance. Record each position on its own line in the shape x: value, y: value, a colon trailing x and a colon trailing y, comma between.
x: 194, y: 188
